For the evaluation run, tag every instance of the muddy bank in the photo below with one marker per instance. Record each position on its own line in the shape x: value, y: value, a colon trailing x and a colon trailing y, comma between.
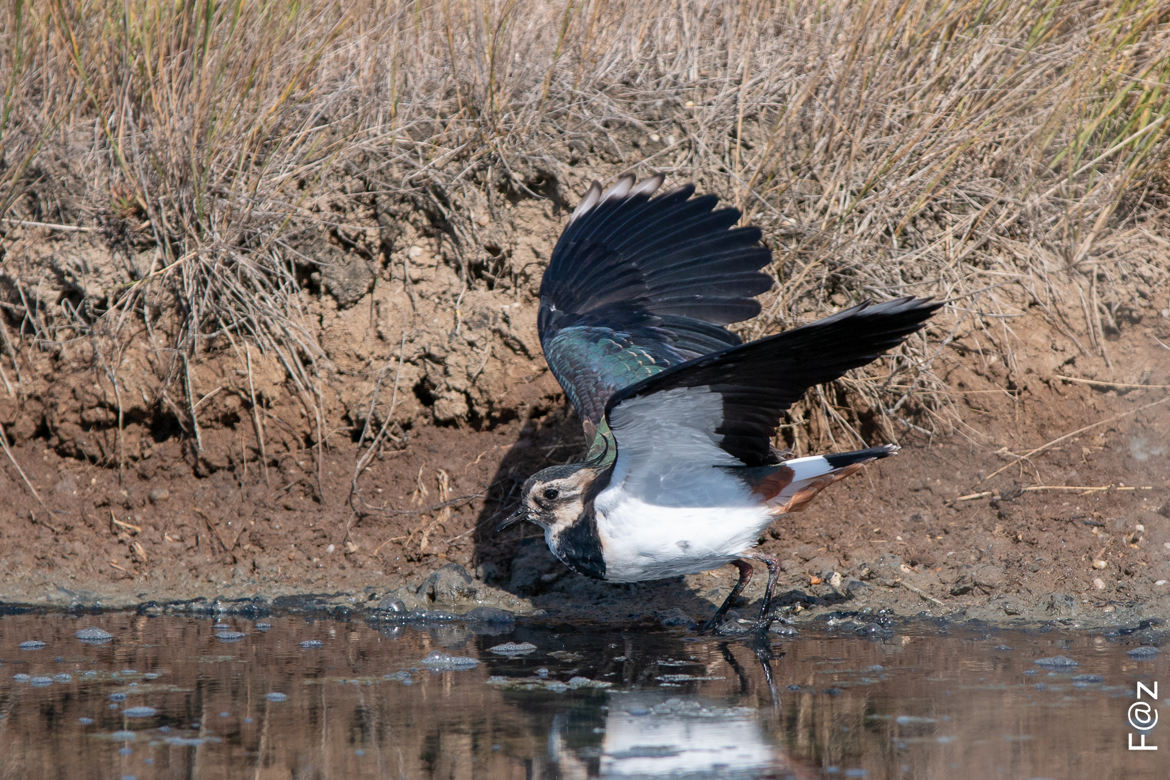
x: 960, y: 525
x: 1031, y: 486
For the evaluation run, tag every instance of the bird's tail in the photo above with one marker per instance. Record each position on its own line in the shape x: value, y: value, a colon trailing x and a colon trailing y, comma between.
x: 789, y: 486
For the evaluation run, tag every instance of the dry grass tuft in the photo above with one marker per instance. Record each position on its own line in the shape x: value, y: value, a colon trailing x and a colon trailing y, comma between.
x: 993, y: 153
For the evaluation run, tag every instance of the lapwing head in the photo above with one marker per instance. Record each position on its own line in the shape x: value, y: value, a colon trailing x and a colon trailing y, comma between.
x: 554, y: 498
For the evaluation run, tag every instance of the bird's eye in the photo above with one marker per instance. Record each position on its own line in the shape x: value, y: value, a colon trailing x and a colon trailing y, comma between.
x: 551, y: 494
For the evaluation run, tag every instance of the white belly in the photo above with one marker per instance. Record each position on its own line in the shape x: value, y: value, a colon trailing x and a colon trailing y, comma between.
x: 648, y: 541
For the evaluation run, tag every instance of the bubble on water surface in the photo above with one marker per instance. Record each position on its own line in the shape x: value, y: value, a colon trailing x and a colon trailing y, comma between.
x: 140, y: 712
x: 513, y: 648
x: 1057, y: 662
x: 93, y: 635
x: 439, y: 661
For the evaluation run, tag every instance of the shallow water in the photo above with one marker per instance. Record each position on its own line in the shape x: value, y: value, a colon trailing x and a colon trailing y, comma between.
x: 172, y: 696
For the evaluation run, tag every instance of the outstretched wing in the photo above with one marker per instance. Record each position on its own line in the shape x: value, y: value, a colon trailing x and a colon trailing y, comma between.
x: 724, y: 408
x: 638, y: 284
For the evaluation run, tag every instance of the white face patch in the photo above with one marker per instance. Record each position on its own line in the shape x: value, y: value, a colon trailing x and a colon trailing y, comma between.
x: 556, y: 503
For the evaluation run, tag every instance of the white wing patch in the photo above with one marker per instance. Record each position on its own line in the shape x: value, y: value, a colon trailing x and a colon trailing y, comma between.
x: 666, y: 446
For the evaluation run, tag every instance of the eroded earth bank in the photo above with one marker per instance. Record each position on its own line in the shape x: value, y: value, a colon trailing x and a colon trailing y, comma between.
x: 1032, y: 485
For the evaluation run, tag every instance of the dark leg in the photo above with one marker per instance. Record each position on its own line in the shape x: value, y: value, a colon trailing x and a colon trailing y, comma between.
x: 745, y: 576
x: 764, y: 620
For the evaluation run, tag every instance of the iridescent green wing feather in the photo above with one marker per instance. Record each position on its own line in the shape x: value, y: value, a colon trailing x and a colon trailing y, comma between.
x: 638, y: 283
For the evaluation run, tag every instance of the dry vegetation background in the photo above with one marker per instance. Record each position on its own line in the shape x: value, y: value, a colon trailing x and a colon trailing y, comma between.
x: 252, y: 233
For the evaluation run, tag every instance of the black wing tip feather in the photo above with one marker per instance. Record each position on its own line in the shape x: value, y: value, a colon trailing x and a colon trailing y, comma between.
x: 839, y: 460
x: 896, y: 306
x: 893, y: 322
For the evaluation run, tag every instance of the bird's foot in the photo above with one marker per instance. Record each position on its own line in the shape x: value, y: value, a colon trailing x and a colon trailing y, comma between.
x: 734, y: 626
x: 723, y: 624
x: 763, y: 624
x: 714, y: 626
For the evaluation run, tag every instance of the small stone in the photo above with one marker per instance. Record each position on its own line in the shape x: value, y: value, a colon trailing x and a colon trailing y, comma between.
x: 1061, y: 605
x: 1099, y: 564
x: 158, y: 494
x: 805, y: 552
x: 276, y: 696
x: 675, y: 618
x: 989, y: 576
x: 963, y: 585
x: 392, y: 605
x: 448, y: 586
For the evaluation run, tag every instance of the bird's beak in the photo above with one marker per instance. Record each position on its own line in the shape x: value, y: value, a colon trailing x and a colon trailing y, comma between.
x: 512, y: 519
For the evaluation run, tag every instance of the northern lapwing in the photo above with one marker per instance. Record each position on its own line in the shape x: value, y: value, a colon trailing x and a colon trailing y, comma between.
x: 681, y: 475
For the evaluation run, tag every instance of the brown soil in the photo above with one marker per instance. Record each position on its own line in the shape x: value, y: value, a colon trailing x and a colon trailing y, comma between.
x: 133, y: 504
